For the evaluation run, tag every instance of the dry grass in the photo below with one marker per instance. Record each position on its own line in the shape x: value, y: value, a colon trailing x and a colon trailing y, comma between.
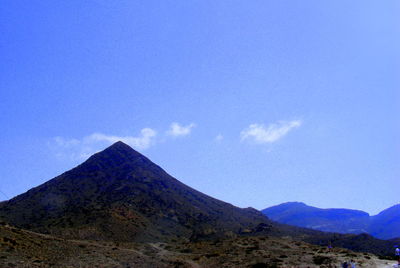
x: 20, y: 248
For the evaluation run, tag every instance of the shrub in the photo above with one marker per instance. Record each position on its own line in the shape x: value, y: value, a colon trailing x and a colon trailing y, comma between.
x: 318, y: 260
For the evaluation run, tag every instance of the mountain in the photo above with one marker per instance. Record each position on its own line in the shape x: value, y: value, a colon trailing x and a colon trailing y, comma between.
x: 328, y: 220
x: 119, y: 194
x: 385, y: 225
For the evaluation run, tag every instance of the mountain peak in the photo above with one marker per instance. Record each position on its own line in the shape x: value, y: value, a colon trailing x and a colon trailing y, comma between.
x: 120, y: 146
x: 116, y: 154
x: 294, y: 203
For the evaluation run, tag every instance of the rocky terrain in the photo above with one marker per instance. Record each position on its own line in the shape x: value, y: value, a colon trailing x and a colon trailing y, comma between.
x: 21, y: 248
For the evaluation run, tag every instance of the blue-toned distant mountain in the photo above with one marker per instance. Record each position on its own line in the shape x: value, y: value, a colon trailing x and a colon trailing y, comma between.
x: 385, y: 225
x: 328, y: 220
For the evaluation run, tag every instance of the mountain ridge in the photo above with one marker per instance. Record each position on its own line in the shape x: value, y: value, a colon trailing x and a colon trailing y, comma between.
x: 341, y: 220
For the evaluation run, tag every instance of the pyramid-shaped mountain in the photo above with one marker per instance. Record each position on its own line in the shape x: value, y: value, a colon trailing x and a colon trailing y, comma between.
x: 119, y: 194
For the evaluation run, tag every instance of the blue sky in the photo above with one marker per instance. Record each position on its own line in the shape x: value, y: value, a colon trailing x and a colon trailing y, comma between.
x: 252, y: 102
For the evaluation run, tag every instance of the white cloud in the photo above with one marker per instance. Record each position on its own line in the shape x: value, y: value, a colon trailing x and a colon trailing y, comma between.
x: 272, y: 133
x: 219, y: 138
x: 60, y: 141
x: 176, y: 129
x: 144, y: 141
x: 79, y: 149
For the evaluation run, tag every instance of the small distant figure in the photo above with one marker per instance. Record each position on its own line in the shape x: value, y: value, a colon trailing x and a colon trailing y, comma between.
x: 397, y: 252
x: 345, y: 265
x: 329, y: 247
x: 352, y: 264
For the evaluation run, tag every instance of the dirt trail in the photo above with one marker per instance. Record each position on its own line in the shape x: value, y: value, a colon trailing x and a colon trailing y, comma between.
x: 172, y: 254
x: 385, y: 264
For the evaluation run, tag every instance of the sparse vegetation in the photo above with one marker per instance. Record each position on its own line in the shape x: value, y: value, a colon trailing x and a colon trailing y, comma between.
x: 321, y: 260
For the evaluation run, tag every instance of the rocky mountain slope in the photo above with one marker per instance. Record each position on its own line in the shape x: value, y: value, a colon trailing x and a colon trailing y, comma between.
x: 119, y: 194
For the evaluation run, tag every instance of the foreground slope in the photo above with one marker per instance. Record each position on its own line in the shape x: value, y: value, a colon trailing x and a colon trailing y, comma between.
x: 21, y: 248
x: 119, y: 194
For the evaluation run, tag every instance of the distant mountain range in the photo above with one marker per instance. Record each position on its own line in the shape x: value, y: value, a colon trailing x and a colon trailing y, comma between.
x: 119, y: 195
x: 385, y: 225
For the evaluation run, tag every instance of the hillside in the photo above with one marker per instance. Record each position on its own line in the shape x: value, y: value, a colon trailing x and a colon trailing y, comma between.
x: 21, y: 248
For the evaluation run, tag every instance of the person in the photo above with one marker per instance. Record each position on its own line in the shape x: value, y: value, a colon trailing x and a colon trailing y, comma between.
x: 345, y: 265
x: 397, y: 252
x: 352, y: 264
